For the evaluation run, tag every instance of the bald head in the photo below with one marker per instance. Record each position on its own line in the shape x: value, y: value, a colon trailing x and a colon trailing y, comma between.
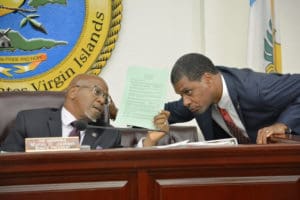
x: 83, y: 79
x: 86, y: 96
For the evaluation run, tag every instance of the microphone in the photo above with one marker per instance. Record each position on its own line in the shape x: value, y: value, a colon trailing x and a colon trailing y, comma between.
x: 106, y: 114
x: 83, y: 125
x: 80, y: 125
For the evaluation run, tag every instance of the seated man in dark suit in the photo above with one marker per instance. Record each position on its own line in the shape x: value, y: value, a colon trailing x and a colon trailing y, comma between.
x: 85, y: 99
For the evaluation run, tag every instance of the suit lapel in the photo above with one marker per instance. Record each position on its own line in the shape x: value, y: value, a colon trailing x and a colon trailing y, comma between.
x: 238, y: 110
x: 90, y: 137
x: 231, y: 86
x: 205, y: 122
x: 55, y: 124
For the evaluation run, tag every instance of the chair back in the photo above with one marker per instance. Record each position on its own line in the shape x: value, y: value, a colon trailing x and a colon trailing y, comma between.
x: 176, y: 134
x: 13, y: 102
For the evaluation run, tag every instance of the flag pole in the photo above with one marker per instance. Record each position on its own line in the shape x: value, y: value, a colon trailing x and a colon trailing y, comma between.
x: 276, y: 45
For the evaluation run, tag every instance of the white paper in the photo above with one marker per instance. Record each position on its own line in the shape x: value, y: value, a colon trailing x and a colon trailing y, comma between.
x: 144, y: 97
x: 181, y: 143
x: 219, y: 142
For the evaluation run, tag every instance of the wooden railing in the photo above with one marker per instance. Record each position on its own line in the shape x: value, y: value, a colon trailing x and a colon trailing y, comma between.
x: 245, y: 172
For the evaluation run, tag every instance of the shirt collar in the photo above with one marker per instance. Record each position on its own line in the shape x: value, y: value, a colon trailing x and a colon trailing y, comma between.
x: 66, y: 117
x: 225, y: 99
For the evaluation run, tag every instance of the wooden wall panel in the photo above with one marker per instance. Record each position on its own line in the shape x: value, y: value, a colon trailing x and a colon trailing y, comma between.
x: 242, y: 172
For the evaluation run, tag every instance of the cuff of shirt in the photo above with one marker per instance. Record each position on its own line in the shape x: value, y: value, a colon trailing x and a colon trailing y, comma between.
x: 140, y: 144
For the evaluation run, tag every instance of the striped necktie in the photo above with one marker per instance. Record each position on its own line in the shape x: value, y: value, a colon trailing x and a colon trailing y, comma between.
x: 234, y: 130
x: 74, y: 132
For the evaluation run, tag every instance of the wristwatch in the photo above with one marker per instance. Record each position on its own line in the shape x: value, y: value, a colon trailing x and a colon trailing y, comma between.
x: 288, y: 130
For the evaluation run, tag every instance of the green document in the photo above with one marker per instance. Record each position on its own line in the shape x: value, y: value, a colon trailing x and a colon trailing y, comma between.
x: 144, y: 97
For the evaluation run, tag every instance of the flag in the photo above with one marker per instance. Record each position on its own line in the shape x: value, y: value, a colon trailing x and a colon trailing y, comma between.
x: 264, y: 48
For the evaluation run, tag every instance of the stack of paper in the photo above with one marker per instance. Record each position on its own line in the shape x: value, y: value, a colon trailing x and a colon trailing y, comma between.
x: 220, y: 142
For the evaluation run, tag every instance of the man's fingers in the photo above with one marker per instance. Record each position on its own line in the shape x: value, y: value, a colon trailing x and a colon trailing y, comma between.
x: 162, y: 116
x: 263, y: 135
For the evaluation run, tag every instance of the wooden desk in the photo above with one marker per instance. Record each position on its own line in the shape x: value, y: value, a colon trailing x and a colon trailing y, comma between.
x: 245, y: 172
x: 288, y: 139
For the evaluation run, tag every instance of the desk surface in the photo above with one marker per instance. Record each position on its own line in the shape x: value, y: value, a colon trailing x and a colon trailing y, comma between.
x: 150, y: 173
x: 287, y: 139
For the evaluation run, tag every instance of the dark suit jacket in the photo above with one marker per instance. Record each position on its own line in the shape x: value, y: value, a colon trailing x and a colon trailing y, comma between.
x: 260, y: 100
x: 46, y: 122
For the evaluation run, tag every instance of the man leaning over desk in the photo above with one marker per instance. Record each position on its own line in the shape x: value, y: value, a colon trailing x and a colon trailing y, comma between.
x: 230, y: 102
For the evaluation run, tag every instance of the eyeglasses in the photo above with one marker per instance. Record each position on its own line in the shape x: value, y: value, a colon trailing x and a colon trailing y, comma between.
x: 97, y: 92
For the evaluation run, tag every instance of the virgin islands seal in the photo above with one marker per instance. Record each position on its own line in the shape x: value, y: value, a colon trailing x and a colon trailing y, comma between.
x: 45, y: 43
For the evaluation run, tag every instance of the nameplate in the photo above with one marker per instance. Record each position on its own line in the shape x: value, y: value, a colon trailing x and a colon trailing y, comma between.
x: 52, y: 144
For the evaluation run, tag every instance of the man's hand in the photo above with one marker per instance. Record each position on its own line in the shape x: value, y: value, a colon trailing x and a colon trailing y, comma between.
x: 152, y: 138
x: 278, y: 130
x: 113, y: 110
x: 161, y: 121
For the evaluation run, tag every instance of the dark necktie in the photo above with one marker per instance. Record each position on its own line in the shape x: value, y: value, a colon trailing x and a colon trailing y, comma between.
x: 74, y: 132
x: 234, y: 130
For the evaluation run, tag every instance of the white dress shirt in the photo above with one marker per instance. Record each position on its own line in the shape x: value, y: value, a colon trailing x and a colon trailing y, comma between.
x: 67, y: 118
x: 226, y: 103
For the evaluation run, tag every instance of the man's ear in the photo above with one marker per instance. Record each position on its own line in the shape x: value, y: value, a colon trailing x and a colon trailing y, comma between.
x: 207, y: 78
x: 72, y: 93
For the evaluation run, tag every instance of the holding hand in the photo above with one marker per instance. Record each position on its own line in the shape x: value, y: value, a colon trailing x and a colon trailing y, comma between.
x: 161, y: 122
